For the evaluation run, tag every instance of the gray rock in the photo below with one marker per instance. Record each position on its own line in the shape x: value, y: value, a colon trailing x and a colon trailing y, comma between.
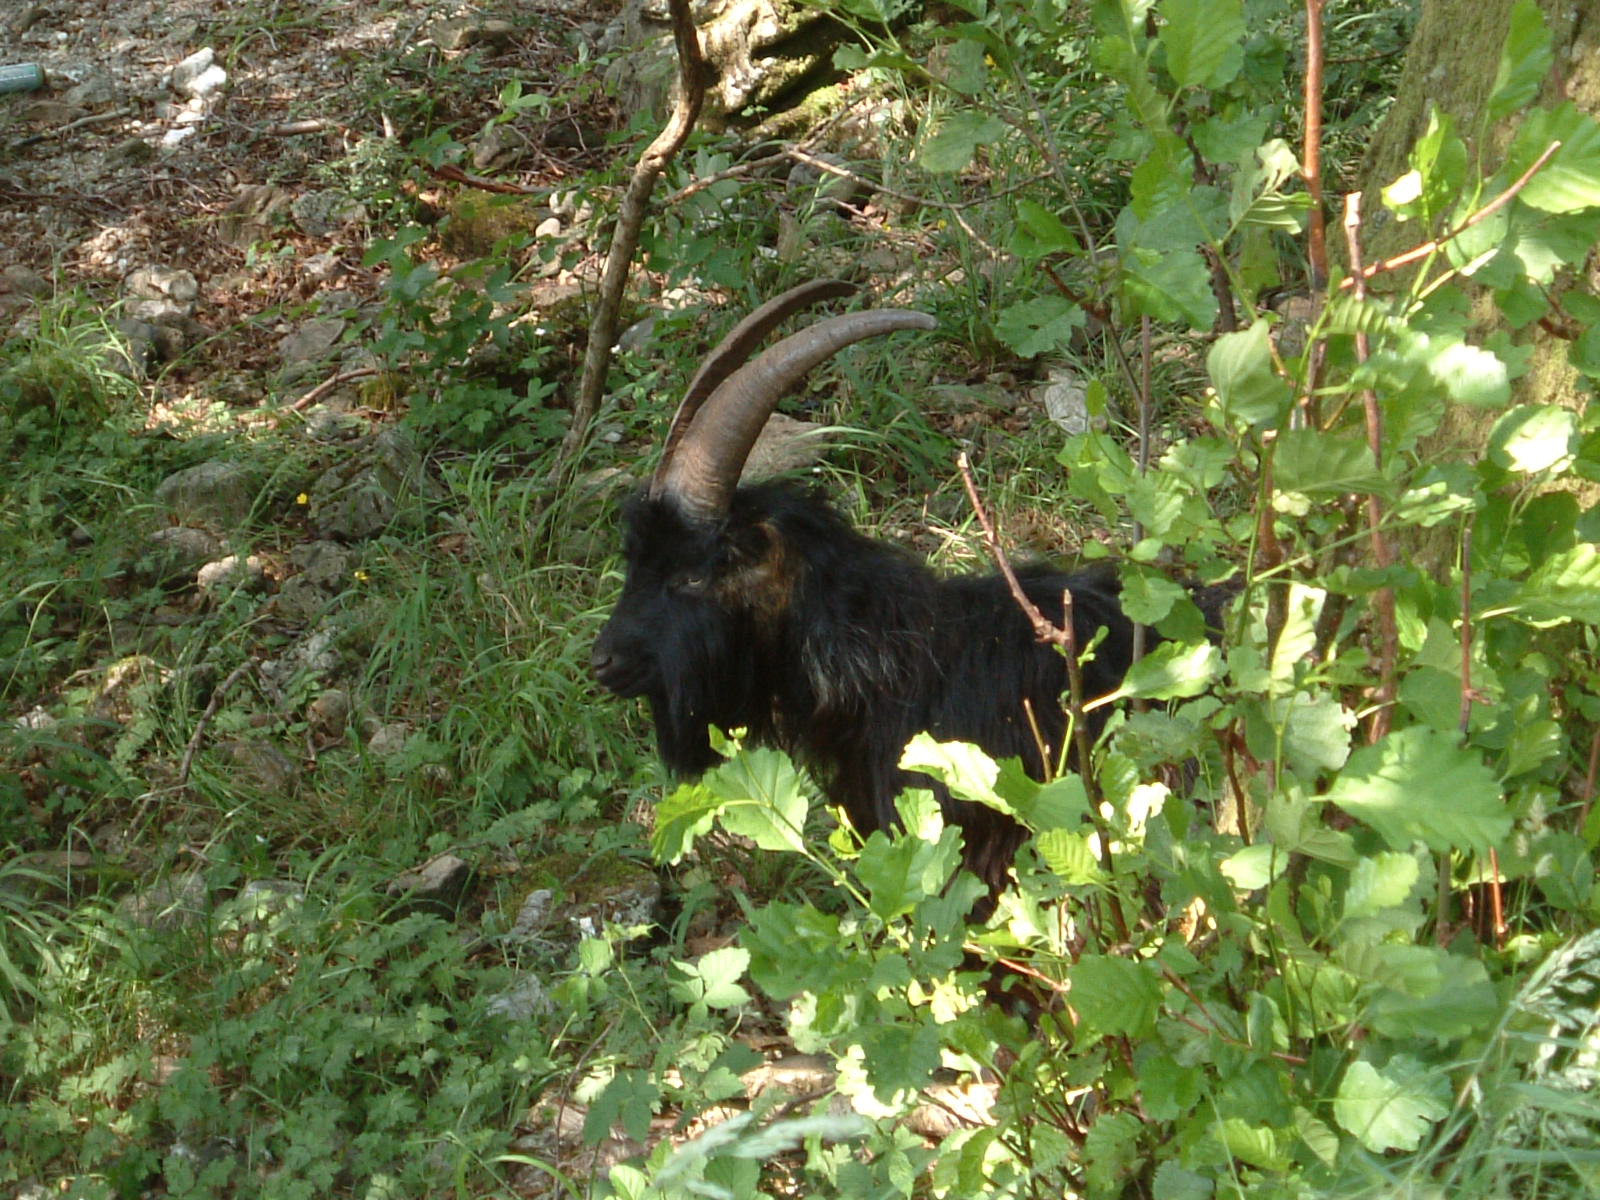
x: 216, y: 493
x: 232, y: 573
x: 329, y: 713
x: 263, y: 765
x: 300, y: 601
x: 18, y: 279
x: 263, y: 898
x: 532, y: 918
x: 526, y: 998
x: 784, y: 445
x: 182, y: 548
x: 323, y: 213
x: 162, y: 283
x: 98, y: 90
x: 360, y: 498
x: 180, y: 901
x: 311, y: 340
x: 1066, y: 401
x: 462, y: 33
x: 441, y: 880
x: 389, y: 741
x: 326, y: 564
x: 314, y: 654
x: 192, y: 70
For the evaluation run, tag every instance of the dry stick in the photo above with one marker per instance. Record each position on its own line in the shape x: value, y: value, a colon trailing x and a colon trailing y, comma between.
x: 327, y: 385
x: 1317, y: 233
x: 1589, y: 779
x: 453, y: 174
x: 1496, y: 901
x: 1066, y: 638
x: 1433, y: 245
x: 630, y: 217
x: 1145, y: 354
x: 1388, y: 630
x: 212, y: 705
x: 1317, y: 239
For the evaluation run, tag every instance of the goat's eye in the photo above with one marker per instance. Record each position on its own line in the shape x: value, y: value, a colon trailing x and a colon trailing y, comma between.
x: 693, y: 584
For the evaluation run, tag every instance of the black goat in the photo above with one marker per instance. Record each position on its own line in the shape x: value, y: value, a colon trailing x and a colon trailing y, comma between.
x: 761, y: 607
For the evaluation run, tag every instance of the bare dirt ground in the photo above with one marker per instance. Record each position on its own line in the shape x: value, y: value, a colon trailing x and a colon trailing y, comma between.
x: 259, y: 148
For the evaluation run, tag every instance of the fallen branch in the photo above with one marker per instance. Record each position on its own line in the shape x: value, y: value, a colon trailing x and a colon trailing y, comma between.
x: 454, y: 174
x: 215, y: 703
x: 327, y: 385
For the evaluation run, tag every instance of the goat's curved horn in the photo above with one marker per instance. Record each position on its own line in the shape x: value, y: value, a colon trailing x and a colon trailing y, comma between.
x: 732, y: 351
x: 704, y: 471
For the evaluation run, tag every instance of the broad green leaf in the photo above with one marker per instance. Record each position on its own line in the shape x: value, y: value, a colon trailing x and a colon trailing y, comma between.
x: 952, y: 147
x: 1115, y: 995
x: 1249, y: 389
x: 1063, y: 803
x: 1148, y: 596
x: 1203, y: 40
x: 1040, y: 232
x: 901, y: 871
x: 963, y: 768
x: 1257, y: 1145
x: 1468, y: 374
x: 1173, y: 670
x: 1318, y: 463
x: 1417, y: 784
x: 1570, y: 180
x: 1531, y: 438
x: 1391, y: 1108
x: 763, y: 797
x: 1254, y: 867
x: 1313, y: 730
x: 683, y: 816
x: 1565, y: 587
x: 1525, y: 62
x: 1038, y: 326
x: 966, y: 70
x: 1069, y: 856
x: 1382, y: 881
x: 1453, y: 999
x: 713, y: 979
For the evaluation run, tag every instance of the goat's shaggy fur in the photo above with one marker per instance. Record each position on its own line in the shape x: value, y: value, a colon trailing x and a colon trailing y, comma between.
x: 783, y: 619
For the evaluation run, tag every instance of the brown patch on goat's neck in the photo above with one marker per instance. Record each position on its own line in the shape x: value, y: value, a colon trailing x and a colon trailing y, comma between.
x: 762, y: 585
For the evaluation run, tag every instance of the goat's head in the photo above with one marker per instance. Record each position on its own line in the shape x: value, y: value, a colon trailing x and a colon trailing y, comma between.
x: 708, y: 576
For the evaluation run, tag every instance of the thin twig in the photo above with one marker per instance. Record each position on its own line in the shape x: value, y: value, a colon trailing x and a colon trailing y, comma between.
x: 1317, y: 233
x: 1383, y: 600
x: 630, y: 217
x: 327, y: 385
x: 454, y: 174
x: 1434, y: 244
x: 212, y: 705
x: 1064, y: 636
x: 81, y: 122
x: 1466, y: 629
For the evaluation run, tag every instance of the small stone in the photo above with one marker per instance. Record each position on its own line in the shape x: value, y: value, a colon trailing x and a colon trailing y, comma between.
x: 232, y: 574
x: 326, y: 564
x: 182, y: 548
x: 311, y: 340
x: 527, y: 998
x: 329, y: 712
x: 440, y: 880
x: 18, y: 279
x: 389, y: 740
x: 216, y: 493
x: 162, y: 283
x: 178, y: 902
x: 324, y: 213
x: 268, y: 768
x: 1066, y: 401
x: 191, y: 68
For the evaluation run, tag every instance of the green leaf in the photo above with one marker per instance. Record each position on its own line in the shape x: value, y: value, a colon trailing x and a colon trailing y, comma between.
x: 681, y: 818
x: 1173, y: 670
x: 1469, y: 375
x: 713, y: 980
x: 967, y: 771
x: 1565, y: 587
x: 1392, y: 1108
x: 1525, y: 62
x: 1069, y: 856
x: 952, y: 147
x: 1249, y: 389
x: 1204, y: 41
x: 1148, y: 596
x: 1531, y: 438
x: 1252, y: 868
x: 763, y: 798
x: 1570, y: 180
x: 1115, y: 995
x: 1040, y: 233
x: 1417, y: 784
x: 1382, y: 881
x: 1318, y: 463
x: 1038, y: 326
x: 901, y: 871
